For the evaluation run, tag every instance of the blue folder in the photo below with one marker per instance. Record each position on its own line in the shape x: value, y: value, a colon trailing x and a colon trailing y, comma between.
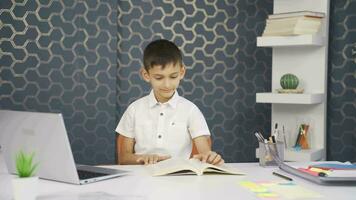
x: 335, y: 166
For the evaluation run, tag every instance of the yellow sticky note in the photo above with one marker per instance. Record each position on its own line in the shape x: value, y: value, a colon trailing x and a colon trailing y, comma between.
x: 248, y: 184
x: 267, y: 195
x: 319, y: 170
x: 259, y: 189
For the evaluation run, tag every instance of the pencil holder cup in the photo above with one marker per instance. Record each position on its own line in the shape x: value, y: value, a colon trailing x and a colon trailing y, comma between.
x: 266, y: 150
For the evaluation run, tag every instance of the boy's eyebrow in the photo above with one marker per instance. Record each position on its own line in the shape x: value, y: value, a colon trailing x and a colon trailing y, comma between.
x: 157, y: 74
x: 174, y: 73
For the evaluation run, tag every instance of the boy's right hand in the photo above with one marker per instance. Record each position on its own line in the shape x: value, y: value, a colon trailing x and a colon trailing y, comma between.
x: 210, y: 157
x: 151, y: 158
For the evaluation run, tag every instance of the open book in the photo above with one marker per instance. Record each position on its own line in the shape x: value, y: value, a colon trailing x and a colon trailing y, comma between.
x: 176, y: 166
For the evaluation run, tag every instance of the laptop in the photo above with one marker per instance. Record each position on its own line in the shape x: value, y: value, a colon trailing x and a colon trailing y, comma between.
x: 5, y: 180
x: 46, y: 135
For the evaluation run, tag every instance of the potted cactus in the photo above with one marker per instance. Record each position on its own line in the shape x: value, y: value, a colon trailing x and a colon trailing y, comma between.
x: 25, y: 186
x: 289, y: 83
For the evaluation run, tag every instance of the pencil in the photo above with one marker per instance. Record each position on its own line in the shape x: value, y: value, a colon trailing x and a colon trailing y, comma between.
x: 282, y: 176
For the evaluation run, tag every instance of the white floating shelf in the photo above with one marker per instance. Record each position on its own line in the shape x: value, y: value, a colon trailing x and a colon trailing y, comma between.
x: 290, y: 98
x: 299, y: 40
x: 303, y: 155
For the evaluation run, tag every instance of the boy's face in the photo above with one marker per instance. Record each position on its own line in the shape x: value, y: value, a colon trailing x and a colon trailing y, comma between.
x: 164, y: 81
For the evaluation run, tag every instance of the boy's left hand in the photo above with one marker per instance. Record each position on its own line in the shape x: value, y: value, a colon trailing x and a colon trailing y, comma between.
x: 210, y: 157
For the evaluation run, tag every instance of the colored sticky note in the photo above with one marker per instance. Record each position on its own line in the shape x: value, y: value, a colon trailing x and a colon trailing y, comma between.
x: 293, y: 192
x: 267, y: 194
x: 248, y: 184
x: 259, y: 189
x: 279, y: 190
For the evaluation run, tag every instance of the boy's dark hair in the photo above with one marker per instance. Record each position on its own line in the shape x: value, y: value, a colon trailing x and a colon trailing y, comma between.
x: 161, y: 52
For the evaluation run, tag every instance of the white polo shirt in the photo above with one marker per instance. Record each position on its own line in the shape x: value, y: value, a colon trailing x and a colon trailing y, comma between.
x: 163, y: 128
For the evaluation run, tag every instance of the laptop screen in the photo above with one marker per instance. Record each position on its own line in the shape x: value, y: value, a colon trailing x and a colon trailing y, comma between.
x: 43, y: 134
x: 5, y: 180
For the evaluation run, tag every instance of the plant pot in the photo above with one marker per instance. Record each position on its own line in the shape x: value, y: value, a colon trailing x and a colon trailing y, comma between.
x: 25, y: 188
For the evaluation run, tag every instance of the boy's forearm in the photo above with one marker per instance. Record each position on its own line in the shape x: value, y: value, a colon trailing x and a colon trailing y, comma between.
x: 126, y: 151
x: 203, y: 144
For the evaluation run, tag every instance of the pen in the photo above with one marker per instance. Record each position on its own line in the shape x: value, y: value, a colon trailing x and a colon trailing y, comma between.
x: 260, y: 135
x: 268, y: 156
x: 284, y: 138
x: 259, y: 138
x: 282, y: 176
x: 275, y: 132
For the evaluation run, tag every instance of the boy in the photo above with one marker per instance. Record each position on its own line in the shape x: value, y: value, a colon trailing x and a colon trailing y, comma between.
x: 163, y: 124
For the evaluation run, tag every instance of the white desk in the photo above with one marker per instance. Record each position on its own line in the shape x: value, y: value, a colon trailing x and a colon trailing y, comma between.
x: 205, y: 187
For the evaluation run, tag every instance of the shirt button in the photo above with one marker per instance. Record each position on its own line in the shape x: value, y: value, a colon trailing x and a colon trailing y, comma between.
x: 161, y: 114
x: 159, y: 136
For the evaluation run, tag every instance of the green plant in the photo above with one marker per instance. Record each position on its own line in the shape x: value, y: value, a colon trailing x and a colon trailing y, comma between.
x: 289, y: 81
x: 24, y: 164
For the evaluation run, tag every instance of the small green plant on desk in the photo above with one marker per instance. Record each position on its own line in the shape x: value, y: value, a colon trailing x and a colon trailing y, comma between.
x: 25, y: 166
x: 25, y: 186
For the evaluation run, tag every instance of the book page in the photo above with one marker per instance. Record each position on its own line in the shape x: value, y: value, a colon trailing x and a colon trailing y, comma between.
x: 174, y: 166
x: 177, y: 166
x: 209, y: 168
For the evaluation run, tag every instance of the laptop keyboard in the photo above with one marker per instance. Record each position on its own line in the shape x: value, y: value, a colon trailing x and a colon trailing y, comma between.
x: 87, y: 174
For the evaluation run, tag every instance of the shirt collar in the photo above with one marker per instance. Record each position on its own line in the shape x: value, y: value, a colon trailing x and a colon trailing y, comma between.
x: 152, y: 101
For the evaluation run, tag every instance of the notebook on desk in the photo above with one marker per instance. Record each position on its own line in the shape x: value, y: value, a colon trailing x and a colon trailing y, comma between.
x: 323, y: 180
x: 45, y: 135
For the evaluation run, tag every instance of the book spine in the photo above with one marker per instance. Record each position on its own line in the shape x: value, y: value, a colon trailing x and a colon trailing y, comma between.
x: 296, y: 14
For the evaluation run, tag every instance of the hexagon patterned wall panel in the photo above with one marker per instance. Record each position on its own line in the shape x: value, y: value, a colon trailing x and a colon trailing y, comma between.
x: 225, y: 68
x: 60, y: 56
x: 341, y: 136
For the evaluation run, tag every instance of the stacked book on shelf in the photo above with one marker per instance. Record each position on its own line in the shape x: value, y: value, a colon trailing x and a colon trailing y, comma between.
x: 293, y: 23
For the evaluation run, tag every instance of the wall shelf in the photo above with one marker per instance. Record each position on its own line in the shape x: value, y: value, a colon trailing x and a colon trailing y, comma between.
x: 303, y: 155
x: 306, y: 57
x: 285, y: 41
x: 269, y: 97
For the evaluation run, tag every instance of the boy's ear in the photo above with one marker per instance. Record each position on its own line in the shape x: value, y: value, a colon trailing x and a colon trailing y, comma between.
x: 182, y: 72
x: 144, y: 74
